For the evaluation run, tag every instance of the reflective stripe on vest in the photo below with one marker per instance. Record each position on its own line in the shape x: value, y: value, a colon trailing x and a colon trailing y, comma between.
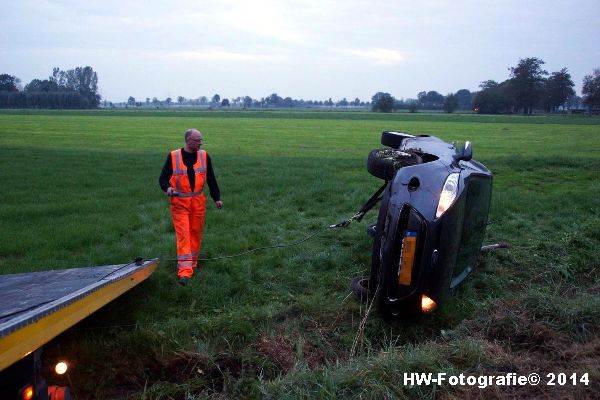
x: 180, y: 173
x: 178, y: 164
x: 202, y: 166
x: 189, y: 194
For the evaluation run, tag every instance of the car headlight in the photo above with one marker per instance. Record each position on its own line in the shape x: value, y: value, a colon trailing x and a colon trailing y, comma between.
x: 448, y: 195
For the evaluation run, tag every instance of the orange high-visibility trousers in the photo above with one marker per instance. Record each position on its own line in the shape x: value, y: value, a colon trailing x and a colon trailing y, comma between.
x: 188, y: 220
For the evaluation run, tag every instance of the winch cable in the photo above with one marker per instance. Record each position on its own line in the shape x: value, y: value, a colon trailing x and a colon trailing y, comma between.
x: 375, y: 198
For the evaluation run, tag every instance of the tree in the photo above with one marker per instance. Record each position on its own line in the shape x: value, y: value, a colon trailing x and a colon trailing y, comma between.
x: 58, y: 77
x: 450, y: 103
x: 225, y: 103
x: 9, y: 83
x: 247, y: 101
x: 591, y: 90
x: 558, y: 88
x: 216, y: 99
x: 489, y: 84
x: 431, y: 100
x: 288, y: 102
x: 82, y: 80
x: 465, y: 99
x: 168, y: 100
x: 383, y: 102
x: 494, y: 98
x: 180, y: 100
x: 86, y: 81
x: 37, y: 85
x: 131, y: 101
x: 273, y: 100
x: 526, y: 82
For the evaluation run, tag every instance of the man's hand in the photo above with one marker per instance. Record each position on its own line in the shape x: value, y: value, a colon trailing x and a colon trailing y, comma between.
x: 219, y: 204
x: 170, y: 191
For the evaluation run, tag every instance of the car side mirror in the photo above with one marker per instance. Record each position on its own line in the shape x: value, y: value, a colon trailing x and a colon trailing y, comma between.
x: 464, y: 154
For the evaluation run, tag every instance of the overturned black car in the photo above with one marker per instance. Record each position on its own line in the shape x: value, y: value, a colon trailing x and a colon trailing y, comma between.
x: 432, y: 220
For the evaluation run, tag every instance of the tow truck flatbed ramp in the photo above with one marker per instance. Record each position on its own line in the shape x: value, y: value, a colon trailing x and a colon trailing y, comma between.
x: 36, y: 307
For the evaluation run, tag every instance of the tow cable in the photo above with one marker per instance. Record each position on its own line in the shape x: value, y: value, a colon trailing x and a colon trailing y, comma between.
x: 356, y: 217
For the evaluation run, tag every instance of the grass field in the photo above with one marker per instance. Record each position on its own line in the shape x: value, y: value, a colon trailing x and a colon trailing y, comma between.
x: 81, y: 188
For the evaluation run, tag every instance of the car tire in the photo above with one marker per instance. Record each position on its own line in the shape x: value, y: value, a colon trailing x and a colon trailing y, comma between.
x: 360, y: 288
x: 383, y: 163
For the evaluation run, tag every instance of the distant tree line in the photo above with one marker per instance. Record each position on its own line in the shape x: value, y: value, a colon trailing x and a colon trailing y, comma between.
x: 271, y: 101
x: 426, y: 100
x: 73, y: 89
x: 529, y: 87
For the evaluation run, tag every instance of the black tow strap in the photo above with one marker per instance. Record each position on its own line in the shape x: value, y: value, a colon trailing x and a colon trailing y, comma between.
x: 356, y: 217
x: 365, y: 208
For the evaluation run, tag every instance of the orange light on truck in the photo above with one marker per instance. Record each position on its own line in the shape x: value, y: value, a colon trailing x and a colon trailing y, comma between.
x: 27, y: 393
x: 427, y: 304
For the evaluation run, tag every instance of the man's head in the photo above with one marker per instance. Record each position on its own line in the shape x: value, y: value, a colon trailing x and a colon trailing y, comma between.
x: 193, y: 140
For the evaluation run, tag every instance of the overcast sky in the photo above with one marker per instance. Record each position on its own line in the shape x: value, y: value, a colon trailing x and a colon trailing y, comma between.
x: 310, y: 49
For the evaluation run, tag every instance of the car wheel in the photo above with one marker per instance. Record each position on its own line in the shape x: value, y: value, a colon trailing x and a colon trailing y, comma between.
x: 360, y: 288
x: 383, y: 163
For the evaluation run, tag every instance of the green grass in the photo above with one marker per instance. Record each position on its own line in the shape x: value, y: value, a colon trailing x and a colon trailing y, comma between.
x: 81, y: 188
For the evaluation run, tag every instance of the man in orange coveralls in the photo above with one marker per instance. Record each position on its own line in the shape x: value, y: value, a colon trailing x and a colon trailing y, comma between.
x: 183, y: 178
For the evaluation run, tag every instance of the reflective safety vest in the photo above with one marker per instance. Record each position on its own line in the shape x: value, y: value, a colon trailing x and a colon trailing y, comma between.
x: 180, y: 181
